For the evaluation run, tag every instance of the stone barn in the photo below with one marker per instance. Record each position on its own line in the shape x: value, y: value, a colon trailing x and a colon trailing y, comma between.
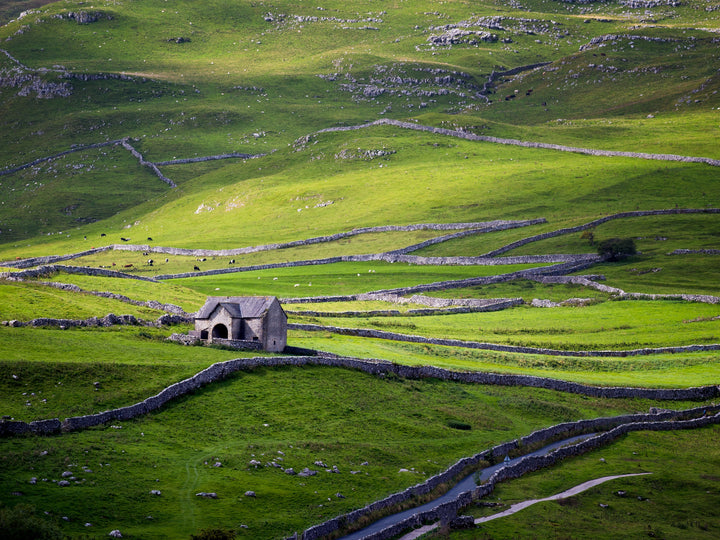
x: 250, y: 321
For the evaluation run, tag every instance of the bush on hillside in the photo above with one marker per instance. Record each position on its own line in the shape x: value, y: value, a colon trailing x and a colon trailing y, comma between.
x: 21, y: 523
x: 616, y: 249
x: 213, y: 534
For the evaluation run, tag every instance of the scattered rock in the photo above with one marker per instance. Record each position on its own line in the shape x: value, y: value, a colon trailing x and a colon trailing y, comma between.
x: 63, y: 483
x: 115, y: 534
x: 207, y: 495
x: 463, y: 522
x: 307, y: 472
x: 250, y: 494
x: 155, y: 492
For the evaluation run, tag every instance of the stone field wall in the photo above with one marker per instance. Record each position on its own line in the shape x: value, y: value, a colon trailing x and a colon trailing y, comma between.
x: 379, y: 334
x: 379, y: 368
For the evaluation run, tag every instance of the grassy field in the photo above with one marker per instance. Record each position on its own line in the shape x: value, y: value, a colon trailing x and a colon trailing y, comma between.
x: 186, y: 80
x: 681, y: 489
x: 292, y: 416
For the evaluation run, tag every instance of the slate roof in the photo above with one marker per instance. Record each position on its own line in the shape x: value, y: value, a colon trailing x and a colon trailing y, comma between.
x: 246, y: 307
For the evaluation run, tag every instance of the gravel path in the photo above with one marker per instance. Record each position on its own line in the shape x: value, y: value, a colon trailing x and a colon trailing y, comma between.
x: 417, y: 533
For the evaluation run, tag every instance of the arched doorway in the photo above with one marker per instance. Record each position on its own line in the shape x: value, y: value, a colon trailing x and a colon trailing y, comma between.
x: 220, y: 331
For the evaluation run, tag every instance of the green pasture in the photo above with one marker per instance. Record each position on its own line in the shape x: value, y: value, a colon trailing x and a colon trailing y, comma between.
x: 618, y: 325
x: 659, y: 370
x: 525, y: 289
x: 334, y: 279
x: 676, y: 500
x: 693, y: 274
x: 311, y: 193
x: 341, y: 417
x: 135, y: 289
x: 653, y: 236
x: 25, y: 301
x: 60, y: 366
x: 368, y: 243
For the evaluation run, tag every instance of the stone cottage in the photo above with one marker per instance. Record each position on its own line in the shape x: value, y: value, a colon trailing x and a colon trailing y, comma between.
x: 251, y: 321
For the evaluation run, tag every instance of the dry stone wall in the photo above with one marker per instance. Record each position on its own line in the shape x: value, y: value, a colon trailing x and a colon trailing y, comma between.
x: 378, y: 334
x: 495, y: 305
x: 612, y: 428
x: 59, y: 154
x: 595, y: 223
x: 379, y: 368
x: 579, y: 280
x: 48, y: 270
x: 515, y: 142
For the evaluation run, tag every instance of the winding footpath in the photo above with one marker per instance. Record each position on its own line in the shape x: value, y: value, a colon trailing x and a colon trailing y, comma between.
x: 417, y: 533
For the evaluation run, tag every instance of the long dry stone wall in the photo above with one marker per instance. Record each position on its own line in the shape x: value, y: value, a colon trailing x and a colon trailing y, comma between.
x: 208, y: 158
x: 695, y: 251
x: 378, y: 334
x: 475, y: 227
x: 495, y: 305
x: 48, y: 270
x: 472, y: 228
x: 515, y: 142
x: 595, y: 223
x: 50, y: 259
x: 59, y: 154
x: 611, y: 428
x: 579, y: 280
x: 379, y: 368
x: 108, y: 320
x: 126, y: 144
x: 559, y: 269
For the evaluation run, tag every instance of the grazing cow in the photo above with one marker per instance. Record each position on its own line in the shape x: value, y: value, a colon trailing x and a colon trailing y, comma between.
x: 511, y: 96
x: 103, y: 234
x: 232, y: 261
x: 167, y: 260
x: 150, y: 238
x: 145, y: 254
x: 529, y: 92
x: 196, y: 268
x: 150, y: 262
x: 124, y: 239
x: 127, y: 265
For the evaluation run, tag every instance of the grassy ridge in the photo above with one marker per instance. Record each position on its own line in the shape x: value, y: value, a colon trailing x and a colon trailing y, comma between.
x: 340, y: 417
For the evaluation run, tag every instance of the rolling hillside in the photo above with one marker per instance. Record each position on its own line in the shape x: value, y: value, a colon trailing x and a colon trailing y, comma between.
x: 387, y: 169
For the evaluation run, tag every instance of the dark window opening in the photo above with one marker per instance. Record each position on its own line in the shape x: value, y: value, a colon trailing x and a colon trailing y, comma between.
x: 220, y: 331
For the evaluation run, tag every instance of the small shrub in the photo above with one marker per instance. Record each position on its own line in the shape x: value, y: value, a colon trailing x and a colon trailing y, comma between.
x: 454, y: 424
x: 213, y: 534
x: 589, y: 236
x: 616, y: 249
x: 21, y: 523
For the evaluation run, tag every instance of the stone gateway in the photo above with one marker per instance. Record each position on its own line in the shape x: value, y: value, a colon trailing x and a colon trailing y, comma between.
x: 252, y: 321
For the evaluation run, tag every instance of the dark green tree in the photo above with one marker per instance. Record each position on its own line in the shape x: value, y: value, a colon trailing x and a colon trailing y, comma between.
x: 616, y: 249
